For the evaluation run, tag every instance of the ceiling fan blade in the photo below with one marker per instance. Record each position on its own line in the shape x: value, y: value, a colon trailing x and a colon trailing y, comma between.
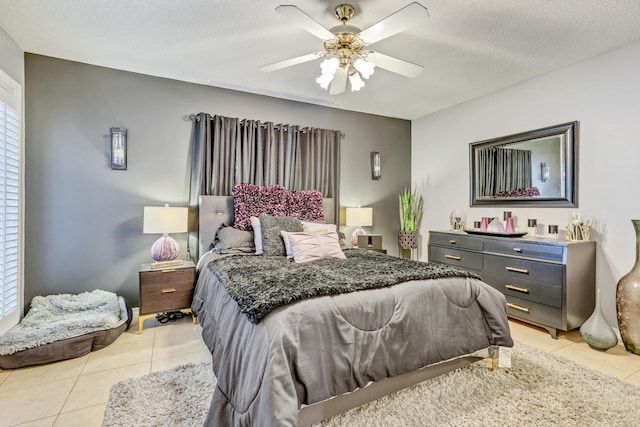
x: 291, y: 61
x: 395, y: 65
x: 339, y: 82
x: 305, y: 21
x: 405, y: 18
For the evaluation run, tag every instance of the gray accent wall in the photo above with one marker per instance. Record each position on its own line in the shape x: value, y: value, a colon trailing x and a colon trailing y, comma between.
x: 84, y: 220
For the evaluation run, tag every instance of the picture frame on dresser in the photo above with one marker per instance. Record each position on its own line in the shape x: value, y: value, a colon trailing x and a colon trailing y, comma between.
x: 546, y: 282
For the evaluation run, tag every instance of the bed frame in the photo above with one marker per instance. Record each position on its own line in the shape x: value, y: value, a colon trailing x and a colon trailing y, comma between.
x: 218, y: 210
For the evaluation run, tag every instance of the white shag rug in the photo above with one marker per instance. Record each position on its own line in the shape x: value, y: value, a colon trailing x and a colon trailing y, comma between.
x: 540, y: 390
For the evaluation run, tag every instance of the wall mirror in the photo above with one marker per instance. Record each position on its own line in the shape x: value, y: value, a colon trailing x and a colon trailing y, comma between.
x: 537, y: 167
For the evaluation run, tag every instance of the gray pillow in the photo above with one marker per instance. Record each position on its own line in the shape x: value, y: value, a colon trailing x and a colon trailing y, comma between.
x: 231, y: 240
x: 271, y: 226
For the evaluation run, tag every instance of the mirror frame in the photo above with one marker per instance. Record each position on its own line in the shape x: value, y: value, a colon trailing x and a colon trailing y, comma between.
x: 570, y: 132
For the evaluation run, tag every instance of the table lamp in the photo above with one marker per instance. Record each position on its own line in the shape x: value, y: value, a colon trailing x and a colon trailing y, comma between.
x: 165, y: 220
x: 358, y: 217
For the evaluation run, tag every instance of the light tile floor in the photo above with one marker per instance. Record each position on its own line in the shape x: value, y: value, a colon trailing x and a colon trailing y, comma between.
x: 75, y: 392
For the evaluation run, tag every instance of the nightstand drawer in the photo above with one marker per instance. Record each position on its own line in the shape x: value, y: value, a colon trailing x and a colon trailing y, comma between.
x: 463, y: 259
x: 454, y: 240
x: 169, y: 300
x: 163, y: 280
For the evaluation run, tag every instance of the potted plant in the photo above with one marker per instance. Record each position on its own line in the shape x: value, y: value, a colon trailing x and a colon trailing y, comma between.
x: 410, y: 214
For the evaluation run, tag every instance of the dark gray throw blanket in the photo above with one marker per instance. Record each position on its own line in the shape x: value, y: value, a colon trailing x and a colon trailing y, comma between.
x: 260, y: 284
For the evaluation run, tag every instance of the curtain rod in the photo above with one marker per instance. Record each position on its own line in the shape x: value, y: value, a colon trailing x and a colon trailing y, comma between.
x: 192, y: 117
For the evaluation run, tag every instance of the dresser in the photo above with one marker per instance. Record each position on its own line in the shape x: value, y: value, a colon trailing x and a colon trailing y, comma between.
x: 546, y: 282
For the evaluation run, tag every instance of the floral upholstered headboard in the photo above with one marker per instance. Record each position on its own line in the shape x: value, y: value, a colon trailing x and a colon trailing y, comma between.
x: 217, y: 210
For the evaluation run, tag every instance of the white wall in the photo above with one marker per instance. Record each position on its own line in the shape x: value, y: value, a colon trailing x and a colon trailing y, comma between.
x: 603, y: 93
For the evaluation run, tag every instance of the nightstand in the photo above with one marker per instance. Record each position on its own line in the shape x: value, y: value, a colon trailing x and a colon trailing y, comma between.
x: 165, y: 289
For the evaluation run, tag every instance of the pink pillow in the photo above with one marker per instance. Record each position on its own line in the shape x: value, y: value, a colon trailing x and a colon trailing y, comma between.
x: 307, y: 247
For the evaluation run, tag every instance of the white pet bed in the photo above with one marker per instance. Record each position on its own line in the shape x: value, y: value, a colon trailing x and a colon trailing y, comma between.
x: 64, y: 326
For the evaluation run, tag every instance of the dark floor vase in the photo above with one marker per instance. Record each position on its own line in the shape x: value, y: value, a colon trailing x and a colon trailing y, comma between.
x: 628, y: 301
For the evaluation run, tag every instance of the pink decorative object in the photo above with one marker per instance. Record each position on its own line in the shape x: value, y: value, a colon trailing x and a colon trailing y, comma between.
x: 274, y: 200
x: 307, y: 247
x: 510, y: 228
x: 484, y: 224
x: 165, y: 249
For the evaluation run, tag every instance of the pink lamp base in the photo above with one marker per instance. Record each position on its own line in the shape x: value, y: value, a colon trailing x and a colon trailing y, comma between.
x: 354, y: 236
x: 165, y: 249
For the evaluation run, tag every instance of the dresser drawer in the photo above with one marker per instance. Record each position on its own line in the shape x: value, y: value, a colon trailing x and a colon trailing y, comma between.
x: 544, y: 293
x: 454, y: 240
x: 455, y: 257
x: 525, y: 249
x: 512, y: 269
x: 534, y: 312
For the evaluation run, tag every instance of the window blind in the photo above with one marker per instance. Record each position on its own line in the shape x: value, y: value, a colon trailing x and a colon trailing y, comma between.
x: 10, y: 178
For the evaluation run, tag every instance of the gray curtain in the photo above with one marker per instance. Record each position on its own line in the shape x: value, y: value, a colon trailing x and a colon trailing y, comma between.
x: 503, y: 169
x: 513, y: 169
x: 227, y: 151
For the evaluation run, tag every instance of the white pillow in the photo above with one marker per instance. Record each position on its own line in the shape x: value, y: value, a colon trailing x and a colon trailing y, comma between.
x: 318, y: 226
x: 311, y: 247
x: 257, y: 234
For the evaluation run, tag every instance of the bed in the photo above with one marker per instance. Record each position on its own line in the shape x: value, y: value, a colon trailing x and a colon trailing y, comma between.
x: 313, y: 358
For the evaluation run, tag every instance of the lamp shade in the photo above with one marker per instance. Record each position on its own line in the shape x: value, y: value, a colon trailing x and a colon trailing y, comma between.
x: 359, y: 217
x: 165, y: 220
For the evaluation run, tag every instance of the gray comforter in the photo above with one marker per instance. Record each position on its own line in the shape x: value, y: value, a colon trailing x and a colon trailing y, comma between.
x: 313, y: 349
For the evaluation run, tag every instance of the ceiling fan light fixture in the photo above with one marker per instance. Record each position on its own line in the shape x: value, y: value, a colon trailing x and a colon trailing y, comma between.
x: 329, y: 68
x: 365, y: 68
x: 356, y: 81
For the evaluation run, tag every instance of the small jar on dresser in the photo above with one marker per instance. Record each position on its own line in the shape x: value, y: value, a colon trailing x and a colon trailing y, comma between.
x: 165, y: 289
x: 546, y: 282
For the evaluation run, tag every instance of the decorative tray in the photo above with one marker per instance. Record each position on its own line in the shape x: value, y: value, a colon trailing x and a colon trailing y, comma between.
x: 491, y: 233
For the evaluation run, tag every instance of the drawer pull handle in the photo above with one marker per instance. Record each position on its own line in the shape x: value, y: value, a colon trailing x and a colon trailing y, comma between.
x: 517, y: 270
x: 517, y: 288
x: 457, y: 258
x: 518, y: 249
x: 518, y: 307
x: 453, y: 242
x: 168, y: 291
x: 170, y: 270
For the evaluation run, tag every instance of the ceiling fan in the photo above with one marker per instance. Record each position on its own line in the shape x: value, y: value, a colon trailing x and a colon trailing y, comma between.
x: 345, y: 46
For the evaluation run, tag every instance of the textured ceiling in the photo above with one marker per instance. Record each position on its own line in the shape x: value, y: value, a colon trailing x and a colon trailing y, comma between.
x: 468, y: 48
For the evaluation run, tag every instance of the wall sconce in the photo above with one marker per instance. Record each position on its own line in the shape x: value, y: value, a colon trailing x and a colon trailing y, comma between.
x: 376, y: 170
x: 118, y: 149
x: 544, y: 172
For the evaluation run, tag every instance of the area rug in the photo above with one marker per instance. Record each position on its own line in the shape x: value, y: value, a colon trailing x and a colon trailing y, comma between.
x: 540, y: 389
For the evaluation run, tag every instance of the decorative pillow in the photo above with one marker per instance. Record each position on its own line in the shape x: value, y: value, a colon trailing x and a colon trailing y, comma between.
x: 271, y: 226
x: 305, y: 205
x: 274, y: 200
x: 318, y: 226
x: 231, y: 240
x: 257, y: 234
x: 255, y: 200
x: 287, y: 242
x: 311, y: 247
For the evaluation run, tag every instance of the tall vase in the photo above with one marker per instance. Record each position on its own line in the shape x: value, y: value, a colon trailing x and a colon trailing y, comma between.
x: 596, y: 331
x: 628, y: 301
